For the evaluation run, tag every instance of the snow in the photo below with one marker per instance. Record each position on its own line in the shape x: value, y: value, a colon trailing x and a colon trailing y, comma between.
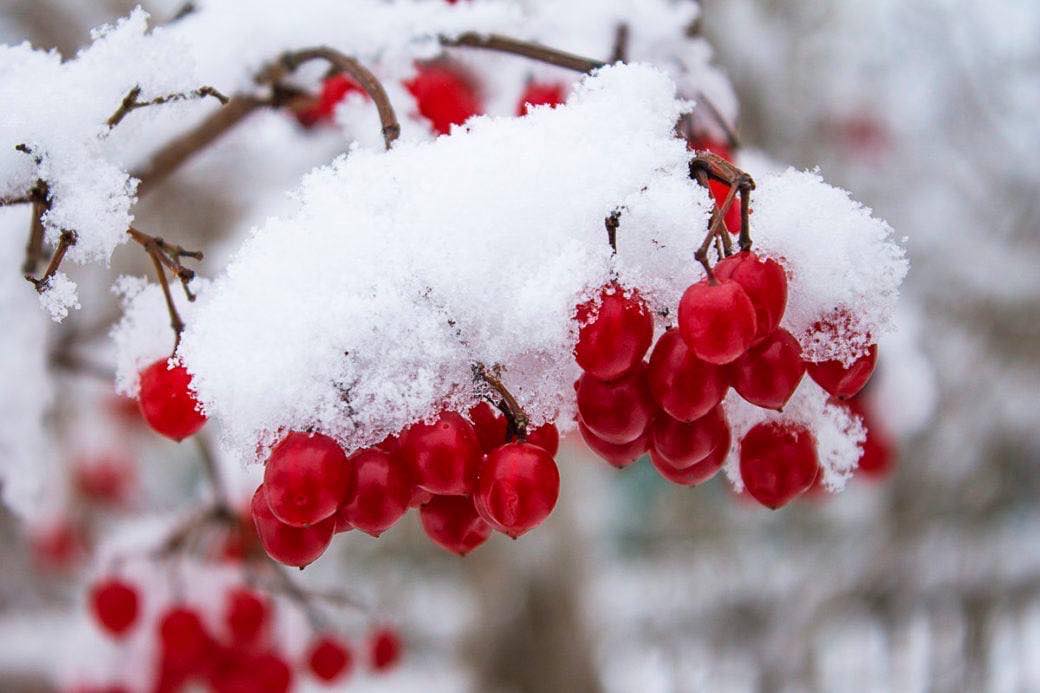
x: 59, y: 296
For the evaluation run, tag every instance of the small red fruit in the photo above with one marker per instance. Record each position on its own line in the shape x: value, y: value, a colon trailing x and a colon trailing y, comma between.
x: 879, y: 450
x: 114, y: 604
x: 518, y: 487
x: 547, y: 437
x: 843, y: 381
x: 717, y: 320
x: 540, y: 94
x: 167, y: 402
x: 384, y: 648
x: 619, y: 411
x: 769, y: 373
x: 683, y: 444
x: 698, y: 472
x: 333, y: 90
x: 765, y: 283
x: 443, y: 456
x: 183, y: 639
x: 307, y: 477
x: 245, y: 615
x: 619, y: 456
x: 105, y: 479
x: 616, y: 330
x: 489, y: 424
x: 778, y: 462
x: 684, y: 386
x: 329, y: 658
x: 384, y: 489
x: 452, y: 522
x: 295, y: 546
x: 443, y: 96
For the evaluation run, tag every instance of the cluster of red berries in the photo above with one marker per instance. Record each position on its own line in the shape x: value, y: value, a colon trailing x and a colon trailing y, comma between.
x: 465, y: 477
x: 444, y: 95
x: 728, y: 335
x: 239, y: 654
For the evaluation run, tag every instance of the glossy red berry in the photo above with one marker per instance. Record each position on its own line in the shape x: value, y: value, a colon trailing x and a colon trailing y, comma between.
x: 114, y: 604
x: 764, y: 281
x: 384, y: 648
x: 619, y: 456
x: 717, y: 321
x: 518, y: 487
x: 541, y: 94
x: 698, y: 472
x: 384, y: 488
x: 329, y: 658
x: 443, y: 456
x: 778, y: 462
x: 307, y: 477
x: 684, y: 386
x: 489, y: 424
x: 683, y: 444
x: 295, y: 546
x: 443, y: 96
x: 615, y: 332
x: 419, y: 497
x: 167, y: 402
x: 843, y: 381
x: 769, y: 372
x: 184, y: 641
x: 547, y: 437
x: 616, y: 412
x: 245, y: 615
x: 452, y: 522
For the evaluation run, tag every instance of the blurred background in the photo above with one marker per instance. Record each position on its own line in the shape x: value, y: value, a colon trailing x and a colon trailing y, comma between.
x: 923, y: 575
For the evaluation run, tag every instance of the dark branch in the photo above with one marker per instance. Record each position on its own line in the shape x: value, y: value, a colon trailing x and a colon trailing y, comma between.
x: 619, y: 54
x: 131, y: 103
x: 505, y: 44
x: 66, y: 240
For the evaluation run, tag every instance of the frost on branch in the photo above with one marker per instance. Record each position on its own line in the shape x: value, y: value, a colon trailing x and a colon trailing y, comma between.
x: 365, y: 308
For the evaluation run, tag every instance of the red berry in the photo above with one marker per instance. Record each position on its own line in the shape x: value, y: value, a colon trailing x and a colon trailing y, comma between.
x: 329, y: 658
x: 684, y: 386
x: 183, y: 639
x: 717, y: 321
x: 342, y: 523
x: 769, y: 372
x: 57, y: 545
x: 384, y: 488
x: 617, y: 412
x: 619, y: 456
x: 616, y: 330
x: 384, y: 648
x: 295, y: 546
x: 452, y: 522
x: 519, y: 484
x: 271, y: 673
x: 778, y: 462
x: 698, y: 472
x: 878, y: 448
x: 166, y: 401
x: 104, y: 479
x: 307, y: 477
x: 489, y: 424
x: 115, y: 605
x: 443, y: 97
x: 547, y: 437
x: 683, y: 444
x: 540, y: 94
x: 843, y: 381
x: 765, y: 283
x: 419, y: 497
x: 443, y: 456
x: 245, y: 615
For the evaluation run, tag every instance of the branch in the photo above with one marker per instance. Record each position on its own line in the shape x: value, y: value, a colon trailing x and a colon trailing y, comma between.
x: 619, y: 54
x: 39, y: 196
x: 505, y: 44
x: 166, y: 255
x: 66, y: 240
x: 130, y: 102
x: 514, y: 412
x: 361, y: 74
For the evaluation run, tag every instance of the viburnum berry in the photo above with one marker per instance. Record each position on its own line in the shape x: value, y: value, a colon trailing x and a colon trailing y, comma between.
x: 616, y: 330
x: 295, y: 546
x: 452, y: 522
x: 769, y: 372
x: 547, y: 437
x: 443, y: 456
x: 245, y: 615
x: 384, y: 649
x: 105, y: 479
x: 682, y: 444
x: 765, y: 283
x: 57, y: 545
x: 185, y: 643
x: 619, y: 456
x: 271, y: 673
x: 843, y: 381
x: 306, y: 478
x: 114, y: 604
x: 717, y: 320
x: 778, y: 462
x: 540, y: 94
x: 384, y: 488
x: 619, y: 411
x: 489, y: 424
x: 684, y: 386
x: 698, y: 472
x: 329, y: 658
x: 878, y: 447
x: 518, y: 487
x: 443, y: 96
x: 166, y: 401
x: 333, y: 90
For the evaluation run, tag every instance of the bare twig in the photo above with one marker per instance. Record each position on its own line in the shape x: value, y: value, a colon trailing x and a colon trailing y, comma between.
x: 619, y: 54
x: 731, y: 135
x: 505, y: 44
x: 66, y: 240
x: 131, y: 103
x: 165, y: 255
x: 39, y: 196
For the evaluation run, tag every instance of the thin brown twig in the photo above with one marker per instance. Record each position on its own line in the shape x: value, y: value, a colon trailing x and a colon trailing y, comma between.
x: 157, y: 251
x: 66, y: 240
x: 505, y: 44
x: 131, y: 103
x: 619, y: 53
x: 517, y: 417
x: 39, y: 196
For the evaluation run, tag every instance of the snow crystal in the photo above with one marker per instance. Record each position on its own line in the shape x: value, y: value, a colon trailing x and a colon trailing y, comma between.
x: 59, y: 296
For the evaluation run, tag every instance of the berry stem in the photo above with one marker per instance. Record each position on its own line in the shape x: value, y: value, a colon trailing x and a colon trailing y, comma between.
x: 515, y: 414
x: 131, y: 103
x: 619, y: 54
x: 505, y: 44
x: 66, y: 240
x: 39, y: 196
x: 745, y: 213
x: 612, y: 222
x: 167, y: 255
